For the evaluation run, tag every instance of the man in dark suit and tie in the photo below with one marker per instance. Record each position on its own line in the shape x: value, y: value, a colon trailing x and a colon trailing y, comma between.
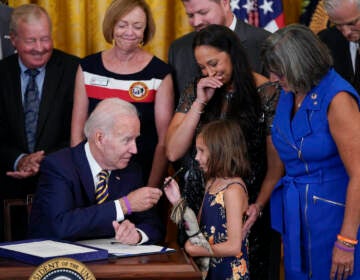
x: 201, y: 13
x: 343, y: 38
x: 6, y: 48
x: 68, y: 203
x: 35, y: 109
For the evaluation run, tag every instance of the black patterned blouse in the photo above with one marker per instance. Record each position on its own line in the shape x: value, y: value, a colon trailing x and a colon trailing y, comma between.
x: 192, y: 181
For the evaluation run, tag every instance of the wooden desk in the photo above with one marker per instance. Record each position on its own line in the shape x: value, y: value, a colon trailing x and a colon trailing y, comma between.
x: 151, y: 267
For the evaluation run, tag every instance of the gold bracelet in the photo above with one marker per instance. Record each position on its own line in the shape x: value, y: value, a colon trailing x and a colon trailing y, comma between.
x: 348, y: 240
x: 199, y: 112
x: 347, y: 244
x: 200, y: 102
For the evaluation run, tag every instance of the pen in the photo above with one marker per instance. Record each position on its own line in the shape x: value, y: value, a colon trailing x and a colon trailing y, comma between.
x: 118, y: 242
x: 172, y: 177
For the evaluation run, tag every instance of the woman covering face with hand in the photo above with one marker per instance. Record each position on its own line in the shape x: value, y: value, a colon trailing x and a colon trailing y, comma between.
x: 129, y: 72
x: 228, y: 89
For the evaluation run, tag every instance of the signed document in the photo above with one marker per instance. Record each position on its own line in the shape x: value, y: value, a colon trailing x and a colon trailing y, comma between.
x: 36, y: 251
x: 122, y: 250
x: 47, y: 248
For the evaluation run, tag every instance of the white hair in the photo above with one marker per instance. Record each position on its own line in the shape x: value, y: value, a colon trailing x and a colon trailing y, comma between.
x: 331, y: 5
x: 105, y: 113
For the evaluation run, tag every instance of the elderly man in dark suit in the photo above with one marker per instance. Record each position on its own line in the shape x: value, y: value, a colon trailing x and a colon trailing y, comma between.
x: 6, y: 48
x: 36, y: 96
x: 68, y: 203
x: 343, y: 37
x: 201, y: 13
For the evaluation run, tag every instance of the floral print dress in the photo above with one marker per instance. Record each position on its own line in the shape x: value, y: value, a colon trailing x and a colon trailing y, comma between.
x: 213, y: 226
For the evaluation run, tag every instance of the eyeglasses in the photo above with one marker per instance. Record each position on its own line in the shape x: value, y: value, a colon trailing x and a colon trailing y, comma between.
x: 348, y: 24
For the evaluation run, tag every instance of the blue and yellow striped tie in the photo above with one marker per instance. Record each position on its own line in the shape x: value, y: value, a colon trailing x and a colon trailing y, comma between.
x: 102, y: 190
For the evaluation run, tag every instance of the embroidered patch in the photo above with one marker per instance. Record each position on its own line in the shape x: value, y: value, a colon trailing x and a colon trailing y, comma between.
x: 138, y: 91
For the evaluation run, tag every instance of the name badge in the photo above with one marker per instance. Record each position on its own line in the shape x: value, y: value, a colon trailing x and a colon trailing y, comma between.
x: 99, y: 81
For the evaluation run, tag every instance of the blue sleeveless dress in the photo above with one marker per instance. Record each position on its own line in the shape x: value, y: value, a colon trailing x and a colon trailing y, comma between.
x: 307, y: 205
x: 213, y: 226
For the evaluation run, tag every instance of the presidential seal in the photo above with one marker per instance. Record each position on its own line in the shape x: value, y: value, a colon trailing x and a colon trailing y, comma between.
x: 138, y: 91
x: 62, y: 269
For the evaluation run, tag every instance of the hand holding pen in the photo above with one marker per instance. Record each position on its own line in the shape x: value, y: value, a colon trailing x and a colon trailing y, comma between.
x: 171, y: 188
x: 168, y: 179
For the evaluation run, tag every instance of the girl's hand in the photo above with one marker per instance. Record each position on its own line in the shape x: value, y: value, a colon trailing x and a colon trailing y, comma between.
x: 172, y: 191
x: 195, y: 250
x: 206, y: 88
x: 189, y: 248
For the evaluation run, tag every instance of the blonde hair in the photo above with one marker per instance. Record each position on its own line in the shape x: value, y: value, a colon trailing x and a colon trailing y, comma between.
x: 120, y: 8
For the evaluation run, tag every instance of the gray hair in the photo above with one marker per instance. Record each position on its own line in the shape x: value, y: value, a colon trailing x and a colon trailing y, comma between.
x: 297, y: 54
x: 106, y: 113
x: 331, y: 5
x: 27, y: 13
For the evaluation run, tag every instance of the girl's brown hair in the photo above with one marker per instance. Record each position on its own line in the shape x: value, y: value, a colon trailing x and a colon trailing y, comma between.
x: 227, y: 149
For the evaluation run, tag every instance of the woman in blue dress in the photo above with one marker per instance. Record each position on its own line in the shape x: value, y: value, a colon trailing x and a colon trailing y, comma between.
x: 316, y: 134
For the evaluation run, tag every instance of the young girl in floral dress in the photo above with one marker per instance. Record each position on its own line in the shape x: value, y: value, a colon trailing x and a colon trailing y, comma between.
x: 222, y: 156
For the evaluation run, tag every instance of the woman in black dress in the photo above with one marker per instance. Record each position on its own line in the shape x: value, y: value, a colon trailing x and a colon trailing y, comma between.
x: 228, y: 89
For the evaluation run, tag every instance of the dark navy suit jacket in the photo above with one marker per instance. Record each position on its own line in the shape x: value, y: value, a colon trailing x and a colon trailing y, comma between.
x: 340, y: 51
x: 65, y: 205
x: 53, y: 129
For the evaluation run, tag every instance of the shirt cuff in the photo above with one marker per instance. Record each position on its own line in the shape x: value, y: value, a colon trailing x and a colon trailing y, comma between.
x: 120, y: 217
x: 144, y: 237
x: 119, y: 212
x: 17, y: 161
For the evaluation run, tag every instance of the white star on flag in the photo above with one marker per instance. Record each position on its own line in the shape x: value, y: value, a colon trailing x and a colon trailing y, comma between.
x: 267, y: 7
x: 249, y: 6
x: 234, y: 5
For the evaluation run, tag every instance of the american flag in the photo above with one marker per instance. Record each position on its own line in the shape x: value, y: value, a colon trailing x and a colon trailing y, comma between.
x: 262, y: 13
